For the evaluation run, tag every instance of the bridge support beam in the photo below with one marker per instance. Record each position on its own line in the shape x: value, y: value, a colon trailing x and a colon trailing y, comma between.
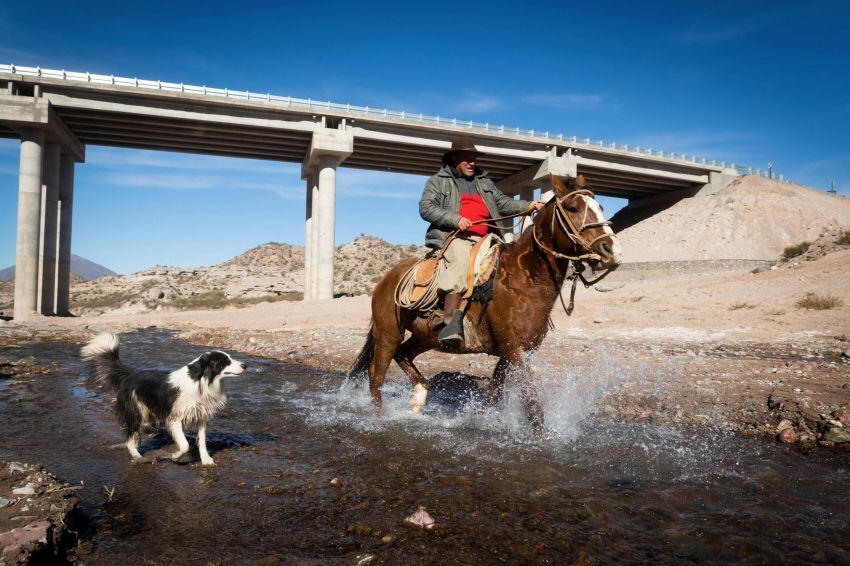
x: 717, y: 181
x: 66, y: 211
x: 328, y: 148
x: 29, y: 229
x: 538, y: 176
x: 308, y: 238
x: 49, y: 217
x: 314, y: 239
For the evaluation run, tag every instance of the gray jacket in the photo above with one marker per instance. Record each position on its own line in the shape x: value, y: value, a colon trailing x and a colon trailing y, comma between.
x: 440, y: 204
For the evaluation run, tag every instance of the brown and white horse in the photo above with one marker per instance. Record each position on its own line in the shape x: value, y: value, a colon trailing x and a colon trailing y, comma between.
x: 570, y: 228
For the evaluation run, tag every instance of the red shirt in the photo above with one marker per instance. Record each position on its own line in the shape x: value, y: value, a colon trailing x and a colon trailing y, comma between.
x: 473, y: 207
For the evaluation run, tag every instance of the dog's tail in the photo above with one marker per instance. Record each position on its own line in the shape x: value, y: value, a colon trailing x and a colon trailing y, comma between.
x: 359, y: 369
x: 101, y: 355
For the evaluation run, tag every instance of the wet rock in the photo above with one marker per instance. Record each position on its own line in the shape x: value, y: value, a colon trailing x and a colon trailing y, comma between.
x: 156, y: 294
x: 837, y: 435
x: 420, y: 520
x: 787, y: 436
x: 17, y: 468
x: 783, y: 424
x: 3, y: 501
x: 846, y: 353
x: 26, y: 490
x: 15, y: 540
x: 846, y: 386
x: 335, y: 482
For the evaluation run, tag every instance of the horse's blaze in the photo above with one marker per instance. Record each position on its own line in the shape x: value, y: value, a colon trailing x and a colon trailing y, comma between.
x: 611, y: 259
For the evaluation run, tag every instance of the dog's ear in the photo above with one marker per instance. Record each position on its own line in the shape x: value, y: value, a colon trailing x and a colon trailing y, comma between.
x: 199, y: 367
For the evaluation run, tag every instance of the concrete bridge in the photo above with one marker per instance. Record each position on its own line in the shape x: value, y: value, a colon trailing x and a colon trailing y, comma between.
x: 56, y: 113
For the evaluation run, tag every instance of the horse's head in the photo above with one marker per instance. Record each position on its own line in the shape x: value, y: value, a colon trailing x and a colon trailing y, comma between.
x: 582, y: 229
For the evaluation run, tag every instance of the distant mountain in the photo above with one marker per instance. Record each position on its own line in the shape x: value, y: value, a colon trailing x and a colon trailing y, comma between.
x: 81, y: 266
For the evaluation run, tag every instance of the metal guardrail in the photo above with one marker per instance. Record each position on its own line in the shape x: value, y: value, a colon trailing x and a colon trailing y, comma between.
x: 371, y: 112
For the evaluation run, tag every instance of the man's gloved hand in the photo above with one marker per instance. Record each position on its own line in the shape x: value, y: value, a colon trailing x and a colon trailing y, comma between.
x: 464, y: 223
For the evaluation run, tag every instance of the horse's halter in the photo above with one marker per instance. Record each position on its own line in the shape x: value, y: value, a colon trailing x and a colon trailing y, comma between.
x: 562, y: 217
x: 568, y: 226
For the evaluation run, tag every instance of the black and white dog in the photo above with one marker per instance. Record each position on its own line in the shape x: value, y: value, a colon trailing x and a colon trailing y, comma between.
x: 189, y: 396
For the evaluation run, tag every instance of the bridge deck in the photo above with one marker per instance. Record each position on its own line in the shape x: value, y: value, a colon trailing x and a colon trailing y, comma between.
x: 241, y: 124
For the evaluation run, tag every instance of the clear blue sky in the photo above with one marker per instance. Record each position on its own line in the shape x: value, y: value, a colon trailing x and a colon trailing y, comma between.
x: 744, y: 82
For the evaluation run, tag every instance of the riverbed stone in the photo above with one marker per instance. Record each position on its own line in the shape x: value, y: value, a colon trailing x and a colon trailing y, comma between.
x: 837, y: 435
x: 12, y: 541
x: 25, y: 490
x: 421, y: 519
x: 787, y: 436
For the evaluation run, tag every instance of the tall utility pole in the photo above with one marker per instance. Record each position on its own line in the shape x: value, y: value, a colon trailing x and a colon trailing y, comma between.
x: 832, y: 190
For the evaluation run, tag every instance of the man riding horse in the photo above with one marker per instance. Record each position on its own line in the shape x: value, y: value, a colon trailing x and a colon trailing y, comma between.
x: 457, y: 197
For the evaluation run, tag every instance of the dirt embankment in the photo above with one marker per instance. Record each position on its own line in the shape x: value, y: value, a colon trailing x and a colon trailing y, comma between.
x: 752, y: 218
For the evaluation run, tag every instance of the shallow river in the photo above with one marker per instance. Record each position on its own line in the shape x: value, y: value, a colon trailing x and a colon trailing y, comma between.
x: 591, y: 491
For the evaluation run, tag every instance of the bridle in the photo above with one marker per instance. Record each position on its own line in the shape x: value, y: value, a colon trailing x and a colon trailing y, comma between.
x: 569, y: 228
x: 577, y: 262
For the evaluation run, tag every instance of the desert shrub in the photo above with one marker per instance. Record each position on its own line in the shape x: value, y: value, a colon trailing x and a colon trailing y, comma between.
x: 739, y: 306
x: 817, y: 302
x: 247, y: 301
x: 203, y: 301
x: 108, y: 300
x: 794, y: 251
x: 215, y: 300
x: 843, y: 238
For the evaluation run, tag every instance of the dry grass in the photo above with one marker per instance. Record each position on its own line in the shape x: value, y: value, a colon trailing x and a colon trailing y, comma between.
x: 813, y: 301
x: 742, y: 305
x: 108, y: 300
x: 216, y: 300
x: 843, y: 238
x: 794, y: 251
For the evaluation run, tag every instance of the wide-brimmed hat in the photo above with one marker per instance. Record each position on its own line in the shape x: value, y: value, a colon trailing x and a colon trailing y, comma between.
x: 460, y: 144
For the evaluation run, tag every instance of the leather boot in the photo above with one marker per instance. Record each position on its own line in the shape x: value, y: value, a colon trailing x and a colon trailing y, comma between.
x: 453, y: 318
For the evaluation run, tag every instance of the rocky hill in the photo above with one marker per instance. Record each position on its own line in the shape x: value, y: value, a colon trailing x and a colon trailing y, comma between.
x: 752, y: 218
x: 269, y: 272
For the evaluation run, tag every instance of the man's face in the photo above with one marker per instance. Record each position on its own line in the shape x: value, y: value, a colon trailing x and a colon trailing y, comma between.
x: 465, y: 163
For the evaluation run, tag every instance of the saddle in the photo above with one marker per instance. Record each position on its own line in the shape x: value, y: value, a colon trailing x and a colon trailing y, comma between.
x: 417, y: 287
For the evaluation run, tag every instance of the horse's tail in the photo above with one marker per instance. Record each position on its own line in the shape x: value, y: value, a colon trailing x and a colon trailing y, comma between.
x: 360, y: 367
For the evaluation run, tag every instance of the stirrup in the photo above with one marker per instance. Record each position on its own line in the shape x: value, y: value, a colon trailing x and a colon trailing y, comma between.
x: 453, y: 331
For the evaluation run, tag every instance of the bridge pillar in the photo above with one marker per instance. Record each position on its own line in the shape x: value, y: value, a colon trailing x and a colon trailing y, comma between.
x: 66, y: 210
x: 526, y: 193
x: 29, y: 218
x: 49, y: 216
x: 308, y: 238
x: 328, y: 148
x: 327, y: 226
x: 314, y: 240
